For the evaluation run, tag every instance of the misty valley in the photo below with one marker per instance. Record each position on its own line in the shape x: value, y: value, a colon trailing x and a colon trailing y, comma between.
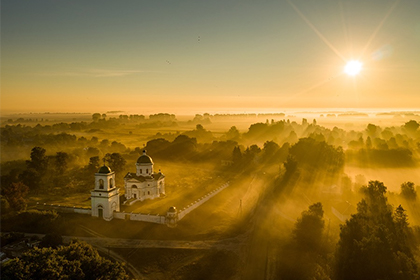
x: 308, y: 195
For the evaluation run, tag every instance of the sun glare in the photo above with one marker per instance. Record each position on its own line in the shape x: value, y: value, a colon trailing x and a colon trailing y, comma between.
x: 353, y: 67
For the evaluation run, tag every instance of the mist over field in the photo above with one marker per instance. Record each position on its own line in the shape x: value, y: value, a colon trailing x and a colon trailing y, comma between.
x: 210, y: 140
x: 302, y: 185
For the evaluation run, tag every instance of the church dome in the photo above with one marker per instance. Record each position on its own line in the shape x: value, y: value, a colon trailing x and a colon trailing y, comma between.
x: 104, y: 169
x: 144, y: 159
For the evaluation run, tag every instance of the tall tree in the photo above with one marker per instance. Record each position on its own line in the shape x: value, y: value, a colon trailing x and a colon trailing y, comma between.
x: 374, y: 242
x: 39, y: 162
x: 309, y: 228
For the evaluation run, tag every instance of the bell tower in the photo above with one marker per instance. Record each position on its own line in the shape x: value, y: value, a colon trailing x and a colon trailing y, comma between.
x: 105, y: 197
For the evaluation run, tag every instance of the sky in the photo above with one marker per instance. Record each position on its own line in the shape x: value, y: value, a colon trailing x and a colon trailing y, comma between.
x: 183, y: 56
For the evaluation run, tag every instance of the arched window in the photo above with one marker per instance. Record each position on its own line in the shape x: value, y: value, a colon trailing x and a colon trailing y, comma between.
x: 141, y: 171
x: 148, y: 193
x: 147, y: 171
x: 101, y: 184
x: 110, y: 183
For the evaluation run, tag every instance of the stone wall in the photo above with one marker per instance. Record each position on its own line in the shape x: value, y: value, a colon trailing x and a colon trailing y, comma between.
x: 151, y: 218
x: 64, y: 209
x: 200, y: 201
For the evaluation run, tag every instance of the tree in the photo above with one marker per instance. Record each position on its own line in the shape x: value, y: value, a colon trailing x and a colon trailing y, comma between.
x: 251, y: 152
x: 374, y: 242
x: 270, y: 151
x: 94, y: 164
x: 291, y: 165
x: 76, y: 261
x: 96, y: 117
x: 372, y: 130
x: 408, y: 191
x: 38, y: 161
x: 31, y: 178
x: 306, y: 256
x: 309, y: 228
x: 115, y: 161
x: 61, y: 161
x: 233, y: 134
x: 320, y: 155
x: 15, y: 194
x: 236, y: 155
x: 411, y: 126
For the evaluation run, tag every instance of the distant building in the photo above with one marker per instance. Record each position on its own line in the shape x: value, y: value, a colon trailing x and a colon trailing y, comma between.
x: 145, y: 183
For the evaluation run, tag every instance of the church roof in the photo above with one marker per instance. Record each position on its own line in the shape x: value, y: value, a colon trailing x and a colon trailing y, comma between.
x: 104, y: 169
x: 154, y: 176
x: 172, y: 209
x: 144, y: 159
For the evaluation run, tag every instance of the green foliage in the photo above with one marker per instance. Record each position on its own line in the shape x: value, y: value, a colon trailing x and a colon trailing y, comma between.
x: 311, y: 153
x: 400, y: 157
x: 96, y: 117
x: 200, y: 133
x: 15, y: 194
x: 233, y: 134
x: 115, y: 161
x: 31, y: 178
x: 375, y: 242
x: 309, y: 229
x: 38, y: 162
x: 408, y: 191
x: 76, y: 261
x: 61, y: 162
x: 236, y: 156
x: 411, y: 126
x: 306, y: 256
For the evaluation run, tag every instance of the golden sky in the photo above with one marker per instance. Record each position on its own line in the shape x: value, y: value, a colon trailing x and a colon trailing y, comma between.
x: 190, y: 56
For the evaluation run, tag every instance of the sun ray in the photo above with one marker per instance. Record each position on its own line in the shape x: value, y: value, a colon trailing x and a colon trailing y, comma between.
x: 316, y: 31
x: 313, y: 87
x: 378, y: 28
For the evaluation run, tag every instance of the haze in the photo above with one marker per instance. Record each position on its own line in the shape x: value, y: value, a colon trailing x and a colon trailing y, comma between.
x: 275, y: 139
x: 197, y: 56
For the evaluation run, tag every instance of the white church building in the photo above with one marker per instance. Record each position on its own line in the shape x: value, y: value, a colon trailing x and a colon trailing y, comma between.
x: 144, y: 183
x: 105, y: 197
x: 141, y: 185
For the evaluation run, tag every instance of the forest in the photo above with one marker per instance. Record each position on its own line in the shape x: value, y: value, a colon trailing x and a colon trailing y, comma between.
x: 315, y: 199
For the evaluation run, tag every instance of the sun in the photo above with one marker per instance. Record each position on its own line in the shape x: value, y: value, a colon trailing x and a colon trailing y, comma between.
x: 353, y: 67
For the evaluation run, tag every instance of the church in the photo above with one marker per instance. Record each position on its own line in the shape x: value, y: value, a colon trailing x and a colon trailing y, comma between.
x: 144, y: 183
x: 141, y: 185
x: 105, y: 197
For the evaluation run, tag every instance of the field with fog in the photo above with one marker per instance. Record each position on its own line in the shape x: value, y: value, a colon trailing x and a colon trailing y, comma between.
x: 303, y: 185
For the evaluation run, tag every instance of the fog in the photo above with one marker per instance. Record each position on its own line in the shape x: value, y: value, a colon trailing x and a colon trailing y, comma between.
x: 301, y: 184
